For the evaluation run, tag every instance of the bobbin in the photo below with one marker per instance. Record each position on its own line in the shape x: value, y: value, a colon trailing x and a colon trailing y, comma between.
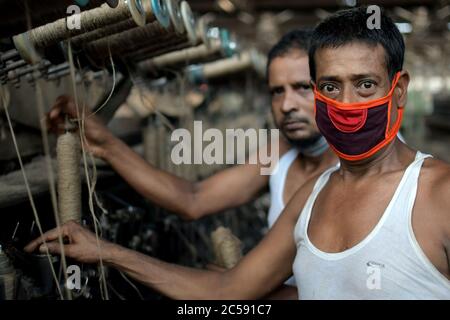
x: 160, y: 11
x: 173, y: 7
x: 111, y: 3
x: 155, y: 10
x: 29, y: 42
x: 189, y: 22
x: 199, y: 73
x: 202, y: 28
x: 166, y: 42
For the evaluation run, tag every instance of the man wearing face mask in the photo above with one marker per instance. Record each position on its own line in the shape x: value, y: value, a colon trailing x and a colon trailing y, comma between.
x: 376, y: 227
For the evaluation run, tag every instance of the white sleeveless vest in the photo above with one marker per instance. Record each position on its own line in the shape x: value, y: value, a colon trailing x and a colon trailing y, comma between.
x: 387, y: 264
x: 276, y: 185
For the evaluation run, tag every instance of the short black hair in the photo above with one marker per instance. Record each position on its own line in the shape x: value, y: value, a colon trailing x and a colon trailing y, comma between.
x: 350, y: 25
x: 297, y: 39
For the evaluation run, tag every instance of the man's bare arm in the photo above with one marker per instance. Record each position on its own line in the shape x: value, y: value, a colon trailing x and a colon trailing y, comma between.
x: 261, y: 271
x: 191, y: 200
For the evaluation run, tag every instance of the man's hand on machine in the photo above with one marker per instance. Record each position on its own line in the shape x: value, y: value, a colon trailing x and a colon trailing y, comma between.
x: 82, y: 244
x: 98, y: 136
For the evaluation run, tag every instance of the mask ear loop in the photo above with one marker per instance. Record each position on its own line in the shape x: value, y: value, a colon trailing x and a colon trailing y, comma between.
x: 390, y: 131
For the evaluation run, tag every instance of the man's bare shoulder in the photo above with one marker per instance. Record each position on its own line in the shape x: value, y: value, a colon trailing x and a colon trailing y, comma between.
x: 436, y: 175
x: 300, y: 197
x: 435, y: 183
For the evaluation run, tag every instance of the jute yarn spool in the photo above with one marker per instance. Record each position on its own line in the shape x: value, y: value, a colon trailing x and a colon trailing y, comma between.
x: 155, y: 10
x: 129, y: 40
x: 220, y: 68
x: 54, y: 32
x: 188, y: 55
x: 227, y: 248
x: 68, y: 152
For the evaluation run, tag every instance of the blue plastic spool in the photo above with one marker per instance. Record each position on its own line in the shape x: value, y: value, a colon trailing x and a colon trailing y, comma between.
x: 161, y: 13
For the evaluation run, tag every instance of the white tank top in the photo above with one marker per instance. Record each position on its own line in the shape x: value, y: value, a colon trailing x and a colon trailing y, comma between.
x: 387, y: 264
x: 276, y: 184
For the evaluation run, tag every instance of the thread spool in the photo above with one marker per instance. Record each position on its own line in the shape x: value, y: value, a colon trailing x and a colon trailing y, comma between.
x: 7, y: 278
x: 166, y: 42
x: 138, y: 39
x: 160, y: 46
x: 189, y: 22
x: 125, y: 41
x: 69, y: 182
x: 220, y: 68
x: 173, y: 7
x: 29, y: 43
x: 227, y: 248
x: 214, y: 47
x: 192, y: 37
x: 154, y: 11
x: 246, y: 60
x: 181, y: 56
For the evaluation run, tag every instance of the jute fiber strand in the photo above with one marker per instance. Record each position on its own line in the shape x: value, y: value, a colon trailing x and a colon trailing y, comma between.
x: 227, y: 247
x: 68, y: 151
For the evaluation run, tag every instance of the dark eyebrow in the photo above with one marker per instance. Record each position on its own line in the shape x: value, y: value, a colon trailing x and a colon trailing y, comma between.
x: 329, y: 78
x: 271, y: 88
x: 353, y: 77
x: 365, y: 76
x: 301, y: 83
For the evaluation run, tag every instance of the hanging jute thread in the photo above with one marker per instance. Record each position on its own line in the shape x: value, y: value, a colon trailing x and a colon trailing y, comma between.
x: 69, y: 183
x: 227, y: 248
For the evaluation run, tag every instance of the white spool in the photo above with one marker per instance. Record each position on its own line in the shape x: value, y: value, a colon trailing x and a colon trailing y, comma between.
x: 137, y: 12
x: 189, y: 22
x: 173, y: 7
x: 69, y: 182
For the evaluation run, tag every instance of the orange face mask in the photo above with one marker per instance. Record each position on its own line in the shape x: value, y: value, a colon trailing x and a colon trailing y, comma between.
x: 356, y: 131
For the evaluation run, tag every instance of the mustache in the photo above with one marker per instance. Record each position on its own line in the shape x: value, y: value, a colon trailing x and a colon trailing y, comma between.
x: 290, y: 119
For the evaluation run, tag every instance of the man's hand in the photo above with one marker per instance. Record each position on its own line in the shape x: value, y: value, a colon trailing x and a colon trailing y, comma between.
x: 98, y: 136
x: 82, y: 245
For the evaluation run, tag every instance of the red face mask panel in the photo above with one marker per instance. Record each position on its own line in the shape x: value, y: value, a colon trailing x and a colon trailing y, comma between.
x: 356, y: 131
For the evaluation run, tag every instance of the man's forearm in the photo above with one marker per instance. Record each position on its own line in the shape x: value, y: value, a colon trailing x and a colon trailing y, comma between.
x: 166, y: 190
x: 171, y: 280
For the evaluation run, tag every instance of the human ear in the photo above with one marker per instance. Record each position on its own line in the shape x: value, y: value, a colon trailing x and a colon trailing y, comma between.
x: 401, y: 90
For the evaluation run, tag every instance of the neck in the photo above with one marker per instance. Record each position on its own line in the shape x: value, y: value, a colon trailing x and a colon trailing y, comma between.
x: 311, y: 163
x: 394, y: 156
x: 316, y: 149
